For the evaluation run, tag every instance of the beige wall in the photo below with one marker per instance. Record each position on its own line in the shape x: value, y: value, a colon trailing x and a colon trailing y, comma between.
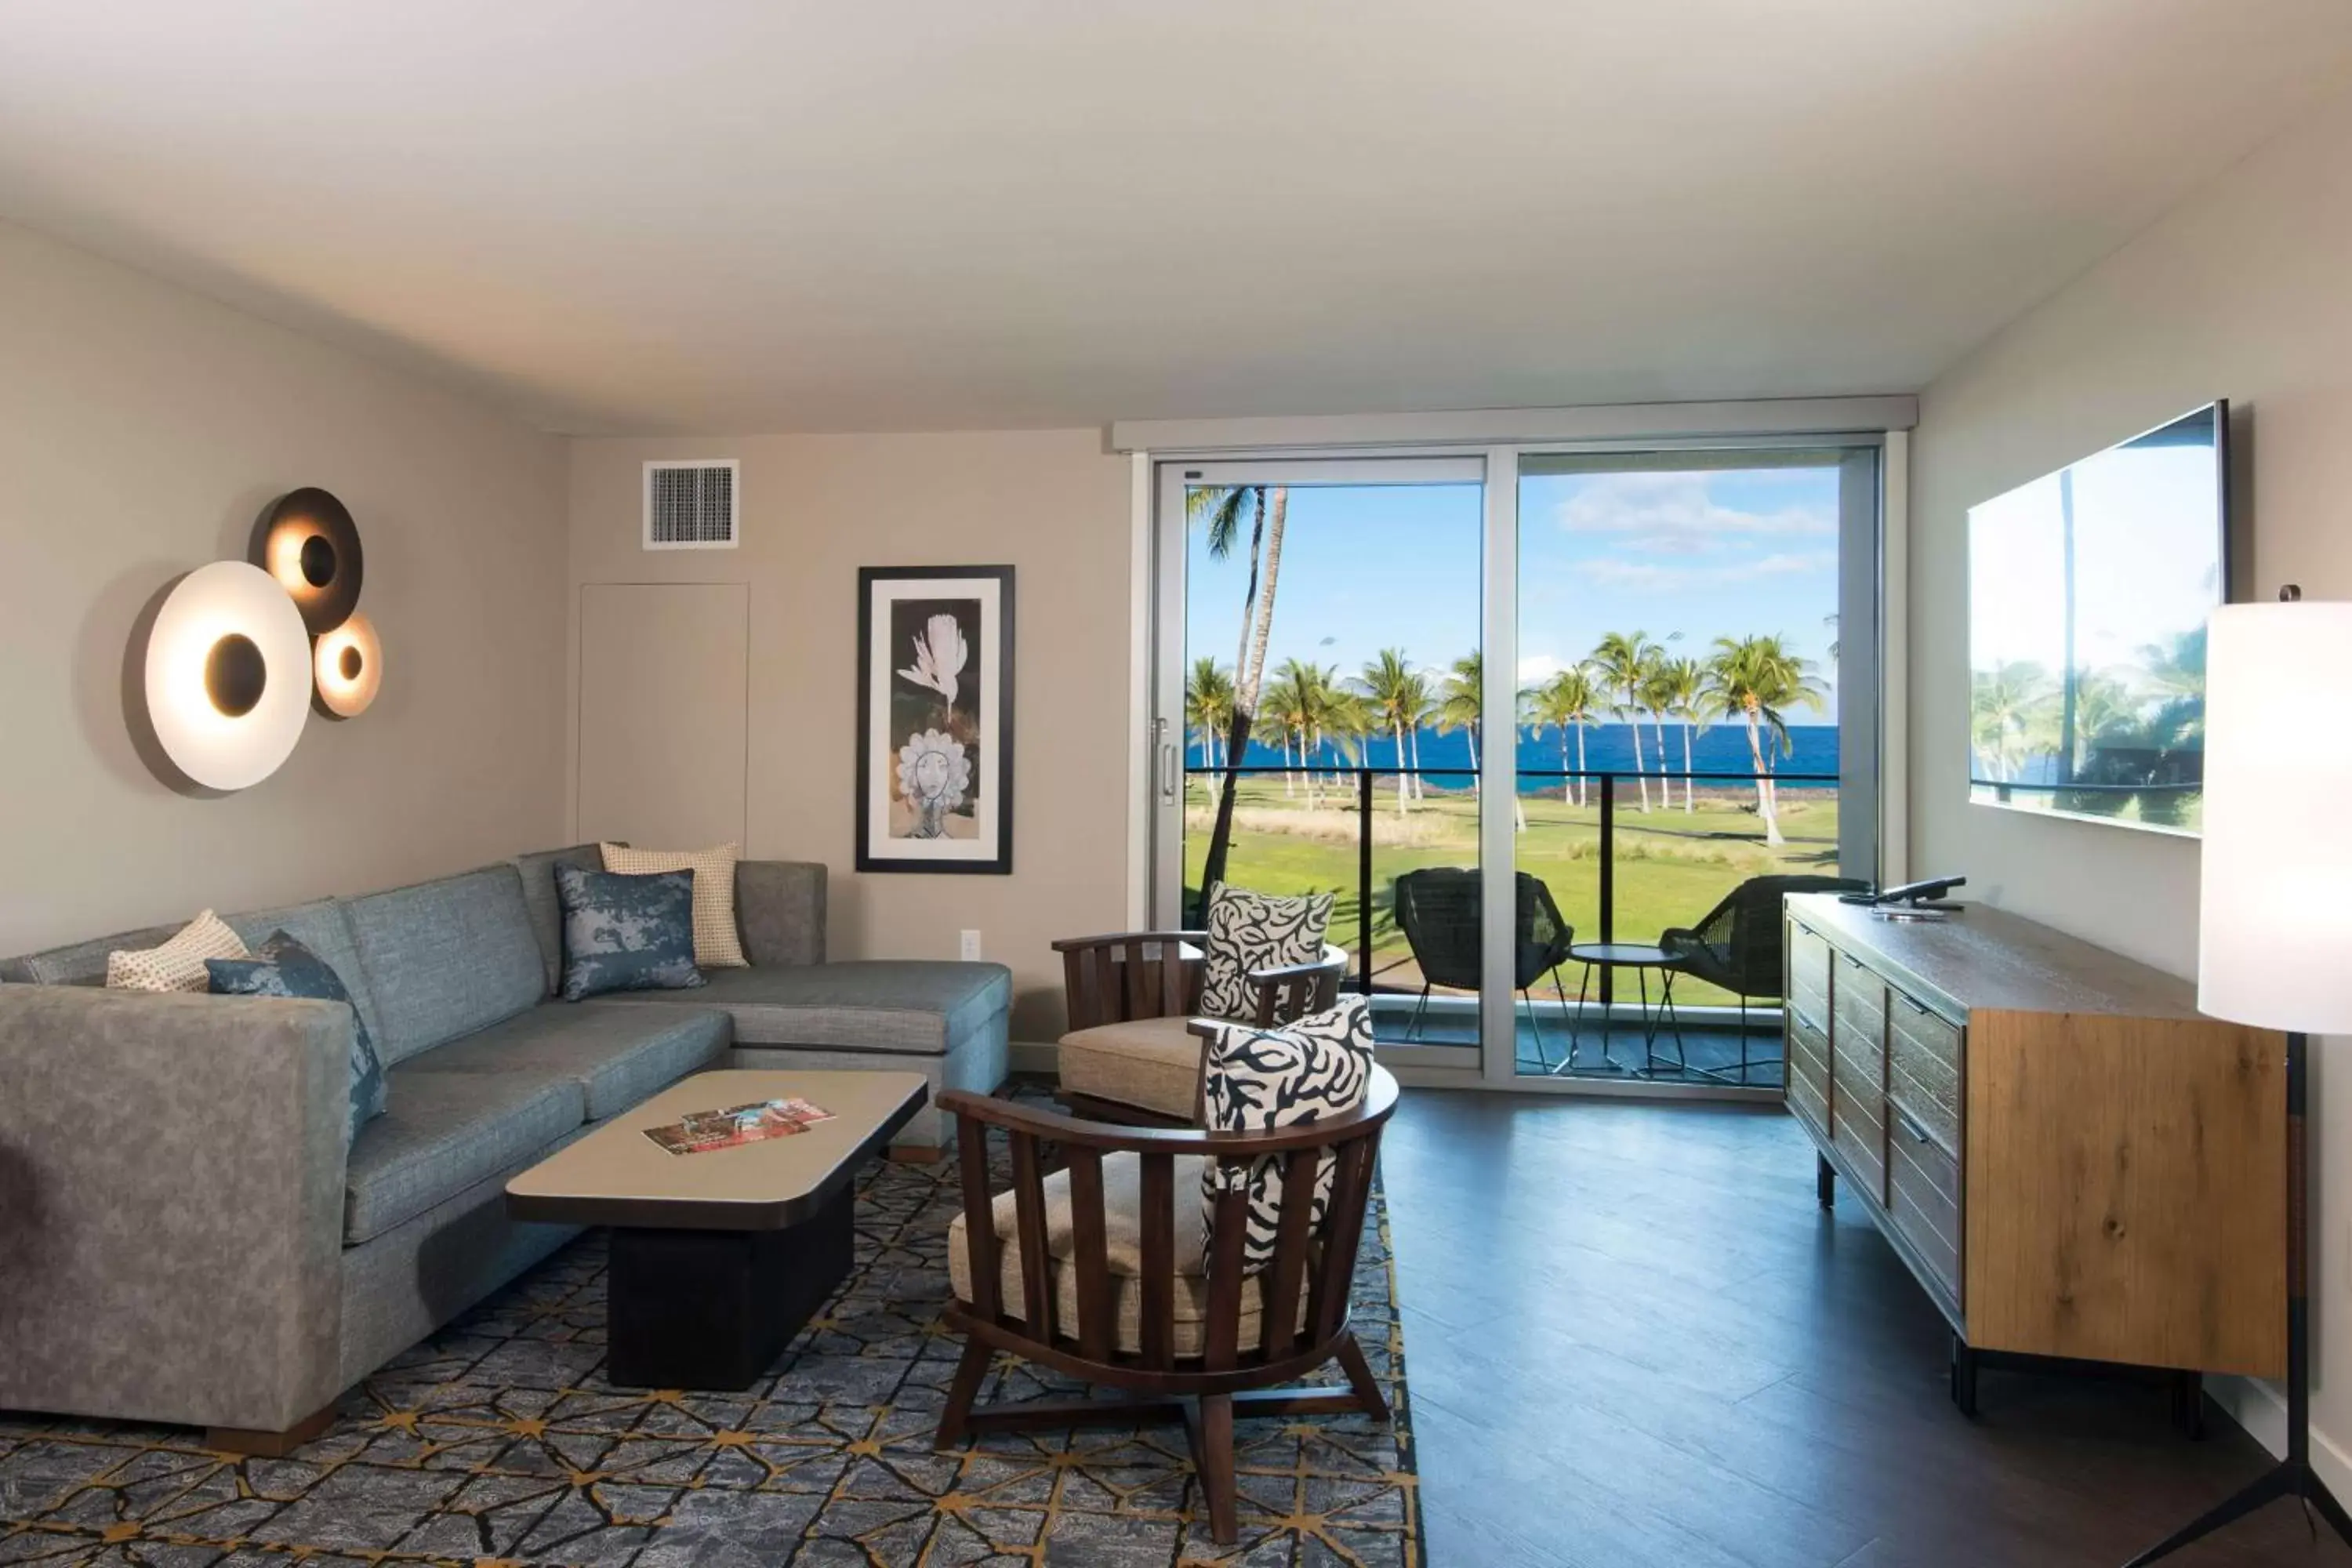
x: 2244, y: 292
x: 141, y: 430
x: 814, y: 510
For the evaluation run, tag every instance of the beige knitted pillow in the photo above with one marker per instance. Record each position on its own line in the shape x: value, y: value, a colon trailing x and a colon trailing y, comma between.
x: 716, y: 944
x: 179, y: 963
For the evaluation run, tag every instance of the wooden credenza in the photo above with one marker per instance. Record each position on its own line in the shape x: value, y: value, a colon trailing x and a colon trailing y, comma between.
x: 2071, y: 1159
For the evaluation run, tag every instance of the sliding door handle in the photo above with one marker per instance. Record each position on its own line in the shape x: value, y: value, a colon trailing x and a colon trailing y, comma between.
x: 1169, y: 779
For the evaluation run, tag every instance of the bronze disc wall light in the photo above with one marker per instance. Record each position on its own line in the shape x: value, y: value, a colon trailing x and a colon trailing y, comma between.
x: 307, y: 539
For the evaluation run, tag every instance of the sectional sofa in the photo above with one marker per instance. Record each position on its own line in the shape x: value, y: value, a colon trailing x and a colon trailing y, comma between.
x: 189, y: 1234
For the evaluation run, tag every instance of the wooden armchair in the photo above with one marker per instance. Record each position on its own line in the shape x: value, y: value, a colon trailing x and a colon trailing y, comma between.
x: 1101, y: 1272
x: 1127, y: 1057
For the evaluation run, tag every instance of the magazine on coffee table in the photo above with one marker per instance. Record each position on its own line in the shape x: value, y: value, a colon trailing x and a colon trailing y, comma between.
x: 700, y: 1131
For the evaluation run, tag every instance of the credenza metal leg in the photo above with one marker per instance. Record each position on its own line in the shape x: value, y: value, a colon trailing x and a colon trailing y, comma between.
x: 1825, y: 1181
x: 1964, y: 1377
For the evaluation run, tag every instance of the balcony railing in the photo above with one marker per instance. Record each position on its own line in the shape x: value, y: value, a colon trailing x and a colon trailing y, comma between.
x: 1621, y: 863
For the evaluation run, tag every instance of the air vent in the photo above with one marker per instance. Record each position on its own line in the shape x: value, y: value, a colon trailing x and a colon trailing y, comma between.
x: 691, y: 506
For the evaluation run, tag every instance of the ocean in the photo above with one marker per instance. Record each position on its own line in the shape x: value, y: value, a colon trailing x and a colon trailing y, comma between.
x: 1720, y: 748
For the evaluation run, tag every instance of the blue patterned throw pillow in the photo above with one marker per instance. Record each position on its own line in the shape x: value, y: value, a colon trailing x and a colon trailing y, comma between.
x: 623, y: 932
x: 284, y: 967
x: 1312, y: 1071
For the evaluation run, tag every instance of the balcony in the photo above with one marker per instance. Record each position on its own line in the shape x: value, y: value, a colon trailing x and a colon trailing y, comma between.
x: 1619, y: 857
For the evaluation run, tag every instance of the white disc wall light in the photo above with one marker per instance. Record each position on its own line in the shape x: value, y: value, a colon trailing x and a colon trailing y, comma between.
x: 228, y: 674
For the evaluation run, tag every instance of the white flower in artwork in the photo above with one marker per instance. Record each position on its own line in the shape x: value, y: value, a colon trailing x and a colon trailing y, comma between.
x: 934, y: 772
x: 940, y: 657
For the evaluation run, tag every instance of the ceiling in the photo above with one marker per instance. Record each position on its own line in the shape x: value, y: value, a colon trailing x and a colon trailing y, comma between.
x: 740, y: 215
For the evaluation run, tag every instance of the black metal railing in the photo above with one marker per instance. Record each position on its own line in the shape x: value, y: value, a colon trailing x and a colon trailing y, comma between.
x: 1607, y: 780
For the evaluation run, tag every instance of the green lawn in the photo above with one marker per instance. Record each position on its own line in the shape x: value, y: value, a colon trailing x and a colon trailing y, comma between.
x: 1673, y: 866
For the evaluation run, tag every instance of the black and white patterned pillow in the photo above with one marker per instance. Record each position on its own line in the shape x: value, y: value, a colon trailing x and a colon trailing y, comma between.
x: 1249, y: 931
x: 1312, y: 1071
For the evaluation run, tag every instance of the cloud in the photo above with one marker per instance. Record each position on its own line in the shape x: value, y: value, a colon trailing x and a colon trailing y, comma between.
x: 1537, y: 668
x: 1677, y: 514
x: 1648, y: 576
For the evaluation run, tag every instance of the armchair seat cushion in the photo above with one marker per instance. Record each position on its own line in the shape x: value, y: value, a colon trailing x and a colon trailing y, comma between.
x: 1150, y: 1063
x: 1123, y: 1238
x: 441, y: 1133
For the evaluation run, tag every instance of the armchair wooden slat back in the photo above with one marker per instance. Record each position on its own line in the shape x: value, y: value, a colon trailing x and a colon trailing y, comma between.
x: 1300, y: 1296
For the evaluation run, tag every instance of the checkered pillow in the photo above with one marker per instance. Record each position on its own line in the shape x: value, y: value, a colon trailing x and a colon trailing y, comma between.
x: 179, y: 963
x: 716, y: 944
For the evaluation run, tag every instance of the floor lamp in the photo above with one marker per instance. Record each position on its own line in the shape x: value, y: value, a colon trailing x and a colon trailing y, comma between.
x: 2275, y: 925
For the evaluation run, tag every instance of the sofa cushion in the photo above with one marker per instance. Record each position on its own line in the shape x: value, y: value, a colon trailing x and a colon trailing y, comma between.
x: 536, y: 870
x: 897, y: 1007
x: 618, y: 1056
x: 1151, y: 1063
x: 441, y: 1133
x: 321, y: 927
x: 446, y: 958
x: 81, y: 963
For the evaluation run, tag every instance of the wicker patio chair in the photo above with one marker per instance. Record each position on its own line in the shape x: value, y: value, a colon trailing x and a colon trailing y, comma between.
x: 1737, y: 947
x: 1438, y: 911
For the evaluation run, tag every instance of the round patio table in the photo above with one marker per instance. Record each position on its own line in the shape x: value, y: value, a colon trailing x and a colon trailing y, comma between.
x: 1641, y: 958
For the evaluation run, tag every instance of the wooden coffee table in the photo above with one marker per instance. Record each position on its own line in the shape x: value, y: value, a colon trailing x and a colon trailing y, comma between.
x: 719, y: 1258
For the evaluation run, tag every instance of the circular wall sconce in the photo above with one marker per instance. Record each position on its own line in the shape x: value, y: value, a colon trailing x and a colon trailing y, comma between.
x: 228, y: 677
x: 307, y: 541
x: 347, y: 666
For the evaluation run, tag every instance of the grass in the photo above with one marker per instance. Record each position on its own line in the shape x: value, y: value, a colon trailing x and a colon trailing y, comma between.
x: 1673, y: 866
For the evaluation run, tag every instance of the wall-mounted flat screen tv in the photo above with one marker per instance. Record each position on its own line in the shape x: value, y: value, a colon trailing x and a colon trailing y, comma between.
x: 2088, y: 592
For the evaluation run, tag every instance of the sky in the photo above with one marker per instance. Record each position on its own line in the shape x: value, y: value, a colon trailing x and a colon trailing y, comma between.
x: 1685, y: 557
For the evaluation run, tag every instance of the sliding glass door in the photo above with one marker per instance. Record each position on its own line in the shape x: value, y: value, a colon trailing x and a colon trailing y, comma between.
x: 1691, y: 707
x: 1338, y: 605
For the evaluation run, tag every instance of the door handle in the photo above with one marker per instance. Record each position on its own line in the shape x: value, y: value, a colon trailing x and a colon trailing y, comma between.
x: 1168, y: 782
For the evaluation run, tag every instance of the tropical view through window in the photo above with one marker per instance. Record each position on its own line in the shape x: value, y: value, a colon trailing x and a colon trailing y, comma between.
x: 1677, y: 635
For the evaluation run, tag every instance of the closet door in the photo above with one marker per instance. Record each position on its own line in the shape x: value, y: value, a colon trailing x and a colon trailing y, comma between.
x: 664, y: 675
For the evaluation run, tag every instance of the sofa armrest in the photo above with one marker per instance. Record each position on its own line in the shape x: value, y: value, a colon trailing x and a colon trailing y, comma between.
x: 780, y: 907
x: 171, y: 1175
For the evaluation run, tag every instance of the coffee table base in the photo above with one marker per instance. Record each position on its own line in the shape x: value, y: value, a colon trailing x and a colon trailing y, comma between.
x: 713, y: 1308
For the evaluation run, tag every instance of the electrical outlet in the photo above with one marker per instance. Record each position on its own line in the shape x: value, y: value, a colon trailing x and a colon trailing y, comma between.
x: 970, y: 948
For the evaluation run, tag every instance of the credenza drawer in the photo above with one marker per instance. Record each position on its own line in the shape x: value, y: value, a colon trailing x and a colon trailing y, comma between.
x: 1858, y: 1023
x: 1809, y: 1079
x: 1808, y: 975
x: 1923, y: 1198
x: 1922, y: 1068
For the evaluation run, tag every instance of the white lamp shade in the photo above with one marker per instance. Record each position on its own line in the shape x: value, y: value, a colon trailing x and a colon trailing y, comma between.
x: 2275, y: 919
x: 227, y: 674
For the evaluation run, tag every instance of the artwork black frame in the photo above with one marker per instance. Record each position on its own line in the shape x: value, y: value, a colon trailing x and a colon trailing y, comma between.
x: 996, y: 685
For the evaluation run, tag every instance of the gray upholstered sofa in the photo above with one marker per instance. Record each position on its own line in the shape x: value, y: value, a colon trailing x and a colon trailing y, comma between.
x: 184, y: 1235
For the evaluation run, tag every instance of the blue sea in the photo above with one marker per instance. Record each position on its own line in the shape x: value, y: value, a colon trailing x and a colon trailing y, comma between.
x: 1720, y: 748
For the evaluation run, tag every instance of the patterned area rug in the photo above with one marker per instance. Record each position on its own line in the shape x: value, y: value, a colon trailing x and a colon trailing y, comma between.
x: 499, y: 1442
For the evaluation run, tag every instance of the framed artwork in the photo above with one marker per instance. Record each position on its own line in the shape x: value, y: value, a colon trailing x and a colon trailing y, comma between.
x: 935, y: 719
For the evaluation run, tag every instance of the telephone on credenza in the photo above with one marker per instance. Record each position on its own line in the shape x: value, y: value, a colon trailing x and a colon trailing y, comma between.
x: 1925, y: 900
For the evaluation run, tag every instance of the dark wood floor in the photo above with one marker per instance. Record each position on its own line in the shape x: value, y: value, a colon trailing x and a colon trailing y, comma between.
x: 1632, y: 1339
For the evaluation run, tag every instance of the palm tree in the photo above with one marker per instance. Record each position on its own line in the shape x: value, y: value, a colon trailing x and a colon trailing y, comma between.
x: 1569, y: 700
x: 1758, y: 679
x: 2005, y: 703
x: 1221, y: 507
x: 1681, y: 685
x: 1655, y: 700
x: 1208, y: 704
x: 1458, y: 706
x: 1622, y: 664
x: 1397, y: 698
x: 1282, y: 707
